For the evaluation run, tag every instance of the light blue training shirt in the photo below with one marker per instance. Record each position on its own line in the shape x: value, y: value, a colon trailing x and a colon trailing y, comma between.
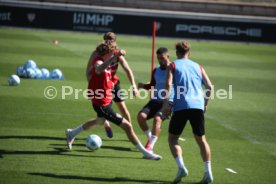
x: 187, y: 81
x: 160, y: 82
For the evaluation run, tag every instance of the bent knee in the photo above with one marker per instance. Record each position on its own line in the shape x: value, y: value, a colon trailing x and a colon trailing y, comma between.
x: 142, y: 116
x: 126, y: 125
x: 200, y: 139
x: 157, y: 119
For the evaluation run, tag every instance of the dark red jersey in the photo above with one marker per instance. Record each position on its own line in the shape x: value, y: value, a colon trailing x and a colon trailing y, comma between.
x: 100, y: 85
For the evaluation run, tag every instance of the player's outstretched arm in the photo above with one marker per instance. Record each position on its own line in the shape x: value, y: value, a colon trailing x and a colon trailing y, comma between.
x: 208, y: 85
x: 100, y: 67
x: 148, y: 85
x: 89, y: 65
x: 129, y: 73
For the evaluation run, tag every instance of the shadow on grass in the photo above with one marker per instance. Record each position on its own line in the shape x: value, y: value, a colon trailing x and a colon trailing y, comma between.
x: 116, y: 148
x: 117, y: 140
x: 59, y: 152
x: 36, y: 137
x: 32, y: 137
x: 116, y: 179
x: 52, y: 138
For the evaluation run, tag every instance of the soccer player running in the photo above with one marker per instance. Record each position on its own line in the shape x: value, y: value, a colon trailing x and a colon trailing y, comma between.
x: 153, y: 108
x: 100, y: 89
x: 118, y: 99
x: 189, y: 104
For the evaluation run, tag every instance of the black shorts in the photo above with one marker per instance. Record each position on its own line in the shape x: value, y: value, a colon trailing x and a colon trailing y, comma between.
x: 117, y: 97
x: 179, y: 120
x: 108, y: 113
x: 151, y: 108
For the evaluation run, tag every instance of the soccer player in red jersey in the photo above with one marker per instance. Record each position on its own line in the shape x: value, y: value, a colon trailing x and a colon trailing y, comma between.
x: 100, y: 91
x: 118, y: 99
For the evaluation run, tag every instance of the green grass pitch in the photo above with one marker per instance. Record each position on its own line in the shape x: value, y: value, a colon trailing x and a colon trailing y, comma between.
x: 241, y: 131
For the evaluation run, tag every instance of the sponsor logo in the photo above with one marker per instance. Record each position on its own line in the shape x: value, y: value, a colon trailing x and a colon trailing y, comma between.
x: 92, y: 19
x: 219, y: 30
x: 31, y: 17
x: 5, y: 16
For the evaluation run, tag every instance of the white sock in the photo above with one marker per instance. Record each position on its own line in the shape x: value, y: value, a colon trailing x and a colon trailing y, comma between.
x: 148, y: 133
x: 153, y: 140
x: 106, y: 123
x: 207, y: 166
x: 141, y: 148
x: 76, y: 131
x: 179, y: 161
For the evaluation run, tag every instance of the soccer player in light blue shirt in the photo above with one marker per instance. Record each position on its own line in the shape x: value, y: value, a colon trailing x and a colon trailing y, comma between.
x: 190, y: 103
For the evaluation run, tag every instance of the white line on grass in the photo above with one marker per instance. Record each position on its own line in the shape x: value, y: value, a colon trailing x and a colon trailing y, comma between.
x: 181, y: 139
x: 231, y: 170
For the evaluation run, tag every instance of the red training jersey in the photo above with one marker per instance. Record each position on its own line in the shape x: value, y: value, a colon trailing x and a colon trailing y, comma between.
x: 100, y: 86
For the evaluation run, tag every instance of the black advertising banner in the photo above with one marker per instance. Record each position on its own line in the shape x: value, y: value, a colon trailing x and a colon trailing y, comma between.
x: 97, y: 21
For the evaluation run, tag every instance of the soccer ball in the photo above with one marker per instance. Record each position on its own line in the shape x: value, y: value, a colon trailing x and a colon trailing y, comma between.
x: 30, y: 73
x: 14, y: 80
x: 56, y: 74
x: 45, y: 73
x: 29, y: 64
x: 93, y: 142
x: 21, y: 72
x: 38, y: 73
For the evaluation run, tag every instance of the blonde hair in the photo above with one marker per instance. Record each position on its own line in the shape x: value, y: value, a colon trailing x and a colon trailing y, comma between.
x: 106, y: 47
x: 109, y: 36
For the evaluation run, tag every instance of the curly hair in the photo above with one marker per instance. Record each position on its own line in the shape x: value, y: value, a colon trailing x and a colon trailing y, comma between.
x: 182, y: 47
x: 106, y: 47
x: 109, y: 36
